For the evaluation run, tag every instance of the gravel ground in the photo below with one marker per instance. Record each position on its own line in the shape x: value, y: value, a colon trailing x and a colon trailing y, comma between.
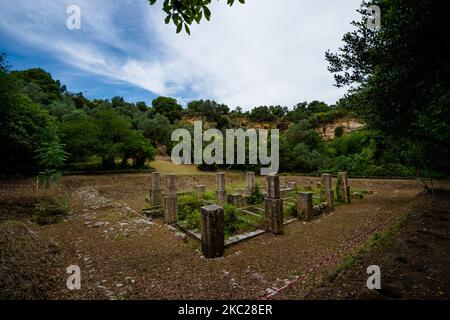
x: 123, y: 255
x: 414, y: 262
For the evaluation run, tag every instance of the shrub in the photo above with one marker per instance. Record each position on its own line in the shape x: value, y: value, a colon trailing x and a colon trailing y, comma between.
x: 189, y: 210
x: 231, y: 220
x: 209, y: 196
x: 256, y: 197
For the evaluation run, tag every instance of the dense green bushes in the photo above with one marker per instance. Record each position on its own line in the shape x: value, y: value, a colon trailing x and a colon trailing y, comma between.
x: 36, y: 111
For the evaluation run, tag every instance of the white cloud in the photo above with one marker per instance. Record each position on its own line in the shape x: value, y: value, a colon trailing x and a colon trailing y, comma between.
x: 263, y: 52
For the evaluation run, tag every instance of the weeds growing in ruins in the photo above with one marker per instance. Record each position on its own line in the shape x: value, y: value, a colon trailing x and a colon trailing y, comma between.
x: 189, y: 206
x: 256, y: 197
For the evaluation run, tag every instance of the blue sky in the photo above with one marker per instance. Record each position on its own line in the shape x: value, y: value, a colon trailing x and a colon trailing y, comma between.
x: 266, y: 52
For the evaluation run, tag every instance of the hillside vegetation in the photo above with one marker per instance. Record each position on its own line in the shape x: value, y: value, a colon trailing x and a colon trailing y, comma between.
x: 45, y: 127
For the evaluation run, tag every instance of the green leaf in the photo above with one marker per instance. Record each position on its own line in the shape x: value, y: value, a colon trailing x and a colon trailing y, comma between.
x: 179, y: 27
x: 207, y: 13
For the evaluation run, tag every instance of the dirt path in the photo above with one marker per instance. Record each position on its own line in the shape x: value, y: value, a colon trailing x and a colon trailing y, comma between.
x: 414, y: 262
x: 124, y: 256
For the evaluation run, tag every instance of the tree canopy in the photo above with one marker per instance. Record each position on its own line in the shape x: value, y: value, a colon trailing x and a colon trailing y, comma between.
x: 399, y: 78
x: 182, y: 13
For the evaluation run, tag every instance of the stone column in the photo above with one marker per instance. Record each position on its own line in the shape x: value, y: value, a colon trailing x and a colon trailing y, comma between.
x: 305, y: 206
x: 330, y: 199
x: 250, y: 176
x: 325, y: 184
x: 212, y: 230
x: 236, y: 200
x: 274, y: 206
x: 342, y: 187
x: 155, y: 192
x: 170, y: 200
x: 221, y: 192
x: 326, y: 191
x: 200, y: 191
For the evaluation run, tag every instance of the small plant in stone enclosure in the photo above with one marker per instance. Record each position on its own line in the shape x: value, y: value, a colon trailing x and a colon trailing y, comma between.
x: 189, y: 210
x: 231, y: 221
x: 189, y: 215
x: 51, y: 210
x: 235, y: 222
x: 290, y: 211
x: 209, y: 196
x: 256, y: 197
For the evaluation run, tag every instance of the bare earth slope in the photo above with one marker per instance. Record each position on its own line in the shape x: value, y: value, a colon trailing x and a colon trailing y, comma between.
x: 414, y: 263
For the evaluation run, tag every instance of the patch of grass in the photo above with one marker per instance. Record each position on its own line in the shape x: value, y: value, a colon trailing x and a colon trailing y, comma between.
x: 167, y: 166
x: 51, y: 210
x: 232, y: 188
x: 378, y: 240
x: 349, y: 262
x: 290, y: 211
x: 209, y: 196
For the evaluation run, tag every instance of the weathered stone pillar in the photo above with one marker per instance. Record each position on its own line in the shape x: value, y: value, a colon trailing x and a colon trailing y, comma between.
x: 155, y: 191
x: 250, y: 176
x: 236, y: 200
x: 273, y: 206
x: 212, y: 230
x: 200, y: 191
x: 221, y: 192
x: 305, y: 206
x: 170, y: 200
x: 325, y: 184
x: 326, y: 191
x: 342, y: 187
x: 330, y: 199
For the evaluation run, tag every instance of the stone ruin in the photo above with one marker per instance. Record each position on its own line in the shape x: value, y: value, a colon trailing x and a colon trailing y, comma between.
x: 342, y: 187
x: 221, y: 192
x: 212, y: 217
x: 273, y: 206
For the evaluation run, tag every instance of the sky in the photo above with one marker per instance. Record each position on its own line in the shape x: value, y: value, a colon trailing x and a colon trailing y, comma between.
x: 266, y: 52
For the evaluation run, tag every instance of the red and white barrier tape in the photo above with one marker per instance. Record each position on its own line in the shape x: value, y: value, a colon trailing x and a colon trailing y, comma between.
x: 326, y: 261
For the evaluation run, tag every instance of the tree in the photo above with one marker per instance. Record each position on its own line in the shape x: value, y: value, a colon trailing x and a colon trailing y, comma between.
x: 262, y: 114
x: 167, y: 107
x: 79, y: 133
x: 137, y: 148
x: 113, y: 132
x: 399, y: 77
x: 185, y: 12
x: 24, y: 125
x: 157, y: 129
x: 142, y: 106
x: 39, y: 85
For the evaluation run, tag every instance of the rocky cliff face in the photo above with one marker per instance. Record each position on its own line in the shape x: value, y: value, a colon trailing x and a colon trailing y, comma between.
x: 328, y: 131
